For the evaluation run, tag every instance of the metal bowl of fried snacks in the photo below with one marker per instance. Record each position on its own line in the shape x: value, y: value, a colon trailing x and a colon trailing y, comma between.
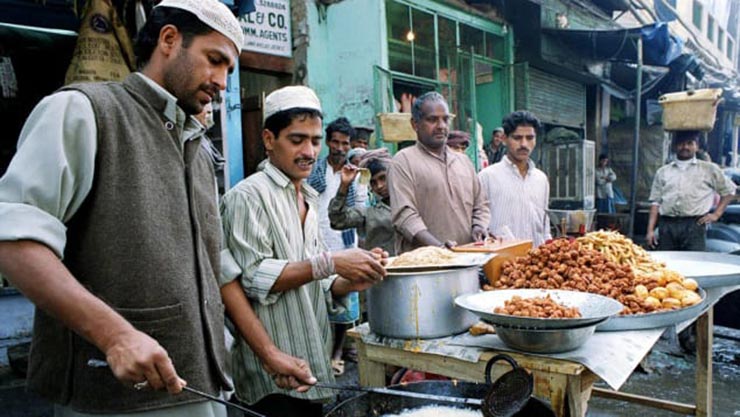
x: 593, y: 308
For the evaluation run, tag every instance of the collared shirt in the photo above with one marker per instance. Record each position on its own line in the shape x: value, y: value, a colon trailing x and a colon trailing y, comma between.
x: 52, y: 173
x: 374, y: 222
x: 690, y: 191
x: 440, y: 194
x: 263, y: 232
x: 517, y: 202
x: 605, y: 177
x: 57, y: 145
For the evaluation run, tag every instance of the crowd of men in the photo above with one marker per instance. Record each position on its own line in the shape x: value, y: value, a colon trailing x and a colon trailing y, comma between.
x: 109, y: 223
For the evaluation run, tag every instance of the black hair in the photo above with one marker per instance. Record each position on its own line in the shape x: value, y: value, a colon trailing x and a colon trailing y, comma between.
x: 148, y: 37
x: 280, y: 120
x: 416, y: 112
x: 520, y: 118
x: 603, y: 156
x: 376, y: 165
x: 686, y: 135
x: 341, y: 125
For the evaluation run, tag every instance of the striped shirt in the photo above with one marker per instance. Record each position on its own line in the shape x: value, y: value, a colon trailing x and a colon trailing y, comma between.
x: 517, y: 202
x: 263, y: 232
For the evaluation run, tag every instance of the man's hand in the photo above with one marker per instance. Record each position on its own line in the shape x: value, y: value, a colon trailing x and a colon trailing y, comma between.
x: 382, y: 254
x: 359, y: 265
x: 135, y: 358
x: 289, y: 372
x: 449, y: 244
x: 651, y: 239
x: 479, y: 233
x: 349, y: 172
x: 709, y: 218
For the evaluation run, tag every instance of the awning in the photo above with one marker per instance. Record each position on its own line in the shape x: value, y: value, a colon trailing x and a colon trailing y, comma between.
x: 660, y: 47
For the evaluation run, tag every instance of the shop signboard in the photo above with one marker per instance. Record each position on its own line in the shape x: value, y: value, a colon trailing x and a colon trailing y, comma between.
x: 267, y: 29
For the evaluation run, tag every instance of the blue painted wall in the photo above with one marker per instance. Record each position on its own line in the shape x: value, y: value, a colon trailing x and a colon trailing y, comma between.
x: 346, y: 41
x: 233, y: 128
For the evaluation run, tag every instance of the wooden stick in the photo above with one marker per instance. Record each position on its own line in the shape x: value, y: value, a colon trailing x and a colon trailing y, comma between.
x: 646, y: 401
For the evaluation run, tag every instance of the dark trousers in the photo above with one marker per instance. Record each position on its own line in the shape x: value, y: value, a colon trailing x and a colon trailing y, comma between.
x: 279, y: 405
x: 682, y: 233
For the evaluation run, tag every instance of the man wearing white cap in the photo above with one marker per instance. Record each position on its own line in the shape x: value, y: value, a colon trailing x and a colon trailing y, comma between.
x: 108, y: 223
x: 271, y: 227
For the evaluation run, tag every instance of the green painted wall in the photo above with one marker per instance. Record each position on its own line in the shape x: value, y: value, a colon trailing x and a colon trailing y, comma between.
x: 345, y: 41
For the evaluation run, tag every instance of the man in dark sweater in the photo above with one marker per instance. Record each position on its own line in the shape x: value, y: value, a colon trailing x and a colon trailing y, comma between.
x: 109, y: 224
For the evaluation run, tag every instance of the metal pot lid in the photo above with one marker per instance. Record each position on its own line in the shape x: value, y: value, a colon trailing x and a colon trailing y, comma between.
x: 593, y: 307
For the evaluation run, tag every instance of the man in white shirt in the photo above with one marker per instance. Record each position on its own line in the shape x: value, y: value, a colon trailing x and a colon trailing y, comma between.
x: 518, y: 192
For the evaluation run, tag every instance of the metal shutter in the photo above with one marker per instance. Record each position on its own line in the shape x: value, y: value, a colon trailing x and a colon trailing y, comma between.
x: 555, y: 100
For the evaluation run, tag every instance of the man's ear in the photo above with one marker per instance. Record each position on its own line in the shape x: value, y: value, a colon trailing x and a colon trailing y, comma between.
x: 268, y: 138
x: 414, y: 125
x: 169, y: 39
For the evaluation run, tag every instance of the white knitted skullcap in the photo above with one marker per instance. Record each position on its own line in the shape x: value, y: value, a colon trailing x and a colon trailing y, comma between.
x: 214, y: 14
x: 291, y: 97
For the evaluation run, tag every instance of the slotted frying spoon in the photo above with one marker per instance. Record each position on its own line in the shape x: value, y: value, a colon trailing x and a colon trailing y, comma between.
x: 509, y: 393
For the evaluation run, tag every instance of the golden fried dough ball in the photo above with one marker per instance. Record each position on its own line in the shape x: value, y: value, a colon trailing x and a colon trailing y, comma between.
x: 690, y: 284
x: 659, y: 293
x: 671, y: 303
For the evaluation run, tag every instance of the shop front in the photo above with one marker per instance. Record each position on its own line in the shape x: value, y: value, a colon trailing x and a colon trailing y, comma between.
x: 370, y: 57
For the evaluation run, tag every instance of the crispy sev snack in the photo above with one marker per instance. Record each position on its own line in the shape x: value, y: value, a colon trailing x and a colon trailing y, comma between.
x: 621, y: 250
x: 654, y: 282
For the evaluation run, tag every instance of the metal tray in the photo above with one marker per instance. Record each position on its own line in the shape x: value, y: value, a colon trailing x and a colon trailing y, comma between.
x: 708, y: 269
x: 463, y: 260
x: 593, y: 307
x: 654, y: 320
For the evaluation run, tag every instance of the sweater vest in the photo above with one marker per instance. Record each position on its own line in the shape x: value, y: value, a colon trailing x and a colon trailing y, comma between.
x: 146, y: 241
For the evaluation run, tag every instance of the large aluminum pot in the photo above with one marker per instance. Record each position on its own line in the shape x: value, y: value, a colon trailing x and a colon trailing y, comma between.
x: 422, y: 304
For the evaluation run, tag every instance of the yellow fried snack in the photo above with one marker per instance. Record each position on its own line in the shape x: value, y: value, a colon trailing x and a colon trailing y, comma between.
x: 690, y: 284
x: 690, y: 298
x: 671, y: 303
x: 650, y: 275
x: 659, y: 293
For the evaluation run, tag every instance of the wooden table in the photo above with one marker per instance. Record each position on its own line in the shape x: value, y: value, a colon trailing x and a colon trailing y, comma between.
x: 567, y: 385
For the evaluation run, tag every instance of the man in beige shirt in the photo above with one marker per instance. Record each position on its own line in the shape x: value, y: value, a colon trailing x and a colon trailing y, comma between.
x: 682, y: 193
x: 436, y: 198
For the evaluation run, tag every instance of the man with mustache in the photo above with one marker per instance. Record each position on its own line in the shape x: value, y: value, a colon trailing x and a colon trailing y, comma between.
x: 682, y: 194
x: 517, y: 191
x: 436, y: 198
x: 109, y: 224
x: 281, y: 268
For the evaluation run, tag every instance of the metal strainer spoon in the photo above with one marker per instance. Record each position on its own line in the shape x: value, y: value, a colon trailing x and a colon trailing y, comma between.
x: 508, y: 394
